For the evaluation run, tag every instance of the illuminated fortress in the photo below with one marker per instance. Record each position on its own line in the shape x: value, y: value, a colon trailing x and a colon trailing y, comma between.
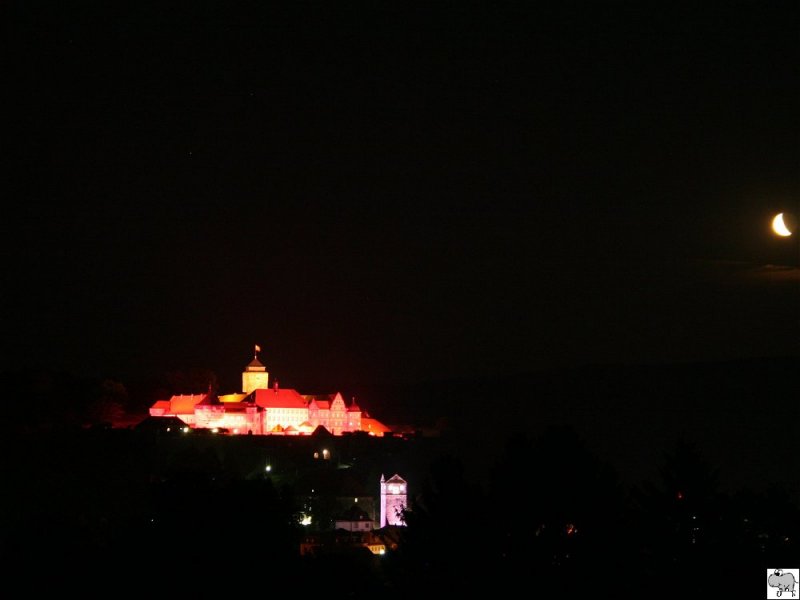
x: 261, y: 410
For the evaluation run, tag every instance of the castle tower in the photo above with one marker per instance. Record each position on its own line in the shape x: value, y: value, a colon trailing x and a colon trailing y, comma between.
x: 255, y: 376
x: 394, y: 494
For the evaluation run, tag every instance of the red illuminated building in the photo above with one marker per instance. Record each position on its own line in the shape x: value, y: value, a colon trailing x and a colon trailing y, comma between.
x: 261, y: 410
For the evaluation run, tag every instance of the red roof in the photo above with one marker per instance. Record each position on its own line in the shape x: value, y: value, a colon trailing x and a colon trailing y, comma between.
x: 280, y: 398
x: 183, y: 404
x: 255, y: 365
x: 373, y: 426
x: 162, y: 404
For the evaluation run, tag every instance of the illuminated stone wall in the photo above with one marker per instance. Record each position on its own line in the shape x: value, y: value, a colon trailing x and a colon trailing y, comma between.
x: 337, y: 418
x: 394, y: 499
x: 284, y: 418
x: 353, y: 420
x: 254, y: 380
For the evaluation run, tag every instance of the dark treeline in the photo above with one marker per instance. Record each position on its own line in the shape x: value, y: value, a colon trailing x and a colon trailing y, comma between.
x: 555, y: 519
x: 51, y: 399
x: 109, y: 509
x: 642, y: 480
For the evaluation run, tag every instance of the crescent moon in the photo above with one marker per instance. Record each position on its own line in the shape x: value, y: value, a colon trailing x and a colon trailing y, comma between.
x: 779, y: 227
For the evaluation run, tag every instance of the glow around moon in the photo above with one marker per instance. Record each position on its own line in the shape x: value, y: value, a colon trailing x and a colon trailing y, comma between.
x: 779, y: 227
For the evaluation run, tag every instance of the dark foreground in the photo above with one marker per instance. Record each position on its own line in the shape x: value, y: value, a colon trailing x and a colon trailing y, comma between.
x: 122, y: 510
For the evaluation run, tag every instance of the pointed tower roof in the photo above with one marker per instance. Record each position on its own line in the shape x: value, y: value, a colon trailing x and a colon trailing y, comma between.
x: 211, y: 399
x: 255, y: 365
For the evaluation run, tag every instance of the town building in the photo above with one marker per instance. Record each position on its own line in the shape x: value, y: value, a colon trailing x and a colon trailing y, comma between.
x: 355, y: 530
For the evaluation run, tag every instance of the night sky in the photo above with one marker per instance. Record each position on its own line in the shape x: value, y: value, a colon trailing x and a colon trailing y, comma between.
x: 397, y: 193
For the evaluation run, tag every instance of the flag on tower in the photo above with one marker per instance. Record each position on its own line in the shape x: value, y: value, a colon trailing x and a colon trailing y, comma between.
x: 258, y: 348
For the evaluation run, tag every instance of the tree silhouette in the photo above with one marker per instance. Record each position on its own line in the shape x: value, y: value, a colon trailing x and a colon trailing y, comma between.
x: 683, y: 522
x: 444, y: 543
x: 564, y: 509
x: 109, y: 404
